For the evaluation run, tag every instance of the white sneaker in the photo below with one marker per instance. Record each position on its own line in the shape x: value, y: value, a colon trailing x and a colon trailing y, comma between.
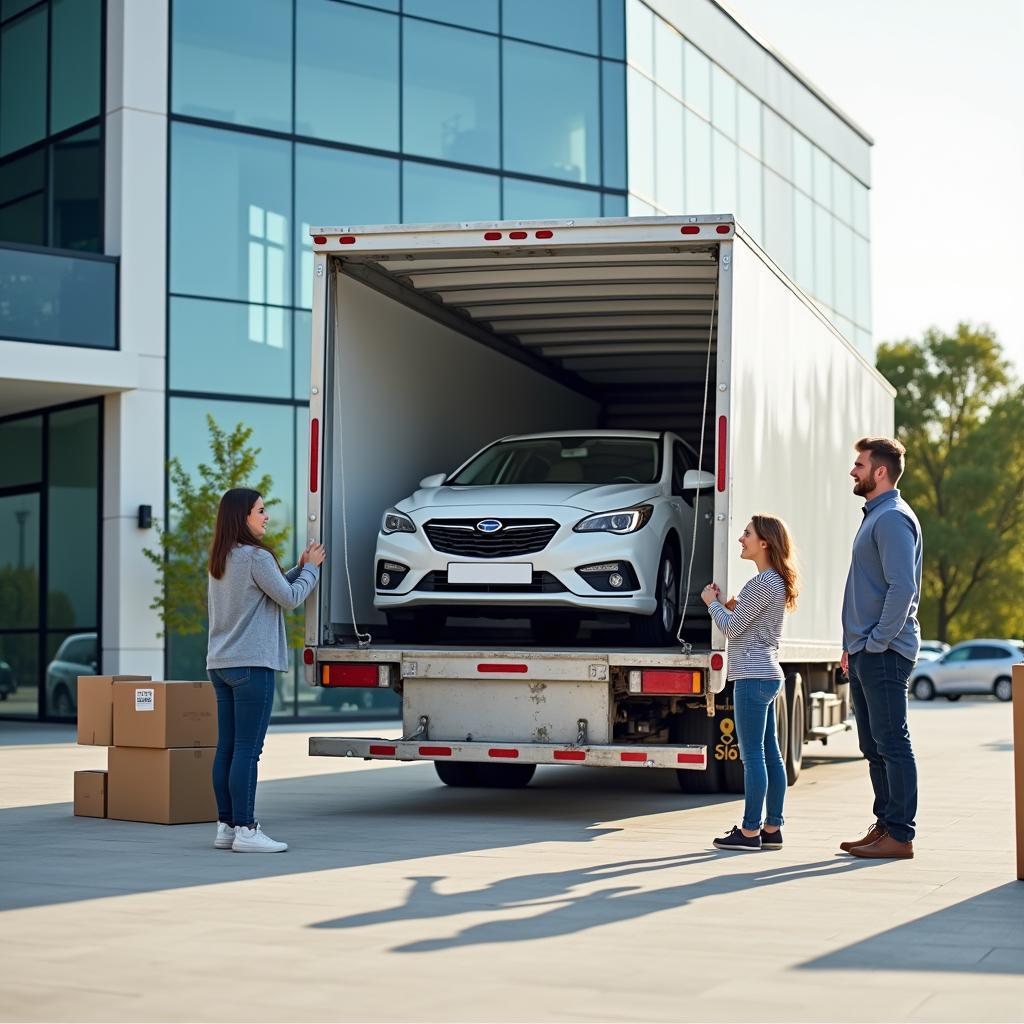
x: 255, y: 840
x: 225, y: 836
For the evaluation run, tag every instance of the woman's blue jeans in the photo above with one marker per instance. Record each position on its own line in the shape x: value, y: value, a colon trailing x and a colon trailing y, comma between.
x: 245, y: 697
x: 764, y: 774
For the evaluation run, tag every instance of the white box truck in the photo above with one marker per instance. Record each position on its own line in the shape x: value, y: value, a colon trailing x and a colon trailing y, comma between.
x: 431, y: 341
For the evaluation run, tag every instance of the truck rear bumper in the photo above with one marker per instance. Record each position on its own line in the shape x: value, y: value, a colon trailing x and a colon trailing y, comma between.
x: 595, y: 755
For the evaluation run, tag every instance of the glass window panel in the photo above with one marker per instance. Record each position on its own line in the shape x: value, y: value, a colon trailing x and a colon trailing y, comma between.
x: 20, y: 521
x: 668, y: 57
x: 724, y: 184
x: 230, y: 346
x: 750, y: 198
x: 697, y: 80
x: 723, y: 101
x: 778, y: 143
x: 76, y: 192
x: 568, y: 23
x: 822, y: 178
x: 530, y: 200
x: 862, y: 281
x: 613, y: 205
x: 824, y: 289
x: 9, y: 8
x: 21, y: 453
x: 19, y: 668
x: 551, y: 116
x: 638, y: 208
x: 698, y: 164
x: 22, y: 199
x: 803, y: 163
x: 433, y: 195
x: 450, y: 94
x: 231, y: 61
x: 230, y: 215
x: 72, y: 529
x: 336, y: 187
x: 640, y: 36
x: 384, y: 5
x: 843, y: 249
x: 861, y: 219
x: 640, y: 122
x: 346, y: 74
x: 803, y: 241
x: 668, y: 141
x: 481, y: 14
x: 778, y: 221
x: 302, y: 333
x: 842, y: 193
x: 75, y: 48
x: 613, y: 29
x: 23, y: 81
x: 613, y: 126
x: 748, y: 121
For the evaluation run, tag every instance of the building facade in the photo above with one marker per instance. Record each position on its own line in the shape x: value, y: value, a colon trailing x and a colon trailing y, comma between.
x: 161, y: 162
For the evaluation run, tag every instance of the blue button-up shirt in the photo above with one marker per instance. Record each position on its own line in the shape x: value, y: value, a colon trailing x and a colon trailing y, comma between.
x: 883, y: 589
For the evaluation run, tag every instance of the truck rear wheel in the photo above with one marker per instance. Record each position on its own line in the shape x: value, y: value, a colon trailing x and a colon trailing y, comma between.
x: 794, y: 754
x: 456, y: 773
x: 504, y: 776
x: 694, y: 727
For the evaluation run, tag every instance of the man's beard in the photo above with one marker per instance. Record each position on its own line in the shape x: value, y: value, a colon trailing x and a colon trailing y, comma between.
x: 862, y: 488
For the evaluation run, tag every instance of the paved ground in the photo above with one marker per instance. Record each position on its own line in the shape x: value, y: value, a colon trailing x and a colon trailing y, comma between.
x: 593, y: 895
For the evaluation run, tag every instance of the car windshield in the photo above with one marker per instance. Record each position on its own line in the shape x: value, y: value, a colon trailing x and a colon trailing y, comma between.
x: 565, y: 460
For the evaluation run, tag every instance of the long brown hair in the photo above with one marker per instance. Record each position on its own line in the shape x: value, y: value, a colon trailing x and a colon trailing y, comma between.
x: 781, y: 556
x: 232, y: 528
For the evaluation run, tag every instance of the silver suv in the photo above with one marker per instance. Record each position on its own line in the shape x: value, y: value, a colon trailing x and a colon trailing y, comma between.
x: 976, y: 666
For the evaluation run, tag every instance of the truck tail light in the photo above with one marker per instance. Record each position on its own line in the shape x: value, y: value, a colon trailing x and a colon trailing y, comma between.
x: 314, y: 455
x: 355, y: 674
x: 308, y: 656
x: 723, y: 436
x: 499, y: 666
x: 717, y: 663
x: 667, y: 681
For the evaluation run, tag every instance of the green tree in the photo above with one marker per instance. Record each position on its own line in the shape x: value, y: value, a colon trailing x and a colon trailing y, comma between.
x: 961, y: 416
x: 181, y: 555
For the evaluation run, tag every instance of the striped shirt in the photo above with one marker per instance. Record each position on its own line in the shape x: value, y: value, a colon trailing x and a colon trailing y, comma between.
x: 754, y: 627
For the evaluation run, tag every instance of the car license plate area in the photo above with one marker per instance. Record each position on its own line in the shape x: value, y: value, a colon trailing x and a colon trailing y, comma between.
x: 490, y: 572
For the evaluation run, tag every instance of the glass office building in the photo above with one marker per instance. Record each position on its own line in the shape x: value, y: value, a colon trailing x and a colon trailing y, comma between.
x: 159, y: 175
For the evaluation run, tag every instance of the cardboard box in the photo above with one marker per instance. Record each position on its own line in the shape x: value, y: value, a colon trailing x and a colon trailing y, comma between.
x: 168, y: 787
x: 165, y: 714
x: 96, y: 709
x: 91, y: 794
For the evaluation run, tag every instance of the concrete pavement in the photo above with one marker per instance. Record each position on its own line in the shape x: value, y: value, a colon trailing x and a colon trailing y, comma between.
x: 592, y: 895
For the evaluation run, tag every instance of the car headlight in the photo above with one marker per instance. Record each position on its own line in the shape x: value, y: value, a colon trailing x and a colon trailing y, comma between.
x: 626, y: 520
x: 396, y: 522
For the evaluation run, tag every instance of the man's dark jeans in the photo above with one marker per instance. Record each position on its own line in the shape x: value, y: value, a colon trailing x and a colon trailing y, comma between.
x: 878, y: 686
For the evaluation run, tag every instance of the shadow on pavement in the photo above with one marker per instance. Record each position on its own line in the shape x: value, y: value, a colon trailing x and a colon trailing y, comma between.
x: 983, y: 935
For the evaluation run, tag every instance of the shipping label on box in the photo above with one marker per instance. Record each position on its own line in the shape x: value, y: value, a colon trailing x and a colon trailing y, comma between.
x: 91, y: 794
x: 96, y: 708
x: 167, y: 787
x: 165, y: 714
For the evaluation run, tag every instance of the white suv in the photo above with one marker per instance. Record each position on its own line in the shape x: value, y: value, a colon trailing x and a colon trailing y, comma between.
x: 977, y: 666
x: 550, y: 526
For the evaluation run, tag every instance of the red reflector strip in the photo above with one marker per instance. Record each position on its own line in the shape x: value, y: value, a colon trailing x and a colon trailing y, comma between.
x: 517, y: 235
x: 350, y: 675
x: 314, y: 455
x: 545, y: 234
x: 502, y: 752
x: 570, y: 755
x: 347, y: 239
x: 491, y: 666
x: 722, y: 452
x: 374, y: 749
x: 722, y: 229
x: 665, y: 681
x: 320, y: 239
x: 492, y: 236
x: 435, y: 751
x: 717, y: 662
x: 690, y: 229
x: 629, y: 755
x: 690, y: 759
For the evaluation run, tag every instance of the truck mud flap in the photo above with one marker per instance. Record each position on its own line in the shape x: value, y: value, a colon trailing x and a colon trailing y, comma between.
x: 595, y: 755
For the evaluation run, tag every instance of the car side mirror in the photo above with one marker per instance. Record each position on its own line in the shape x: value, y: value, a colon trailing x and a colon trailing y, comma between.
x: 434, y: 481
x: 698, y: 480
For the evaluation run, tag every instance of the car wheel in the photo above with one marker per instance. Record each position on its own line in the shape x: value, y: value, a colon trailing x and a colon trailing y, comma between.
x: 953, y: 696
x: 421, y: 626
x: 456, y: 773
x: 924, y: 689
x: 62, y: 706
x: 660, y: 629
x: 554, y: 627
x: 1003, y: 689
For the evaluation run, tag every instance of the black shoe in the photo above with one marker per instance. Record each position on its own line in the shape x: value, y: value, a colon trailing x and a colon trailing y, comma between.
x: 771, y: 840
x: 736, y: 840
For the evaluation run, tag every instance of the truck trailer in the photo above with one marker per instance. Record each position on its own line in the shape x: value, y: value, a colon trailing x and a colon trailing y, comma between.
x: 431, y: 341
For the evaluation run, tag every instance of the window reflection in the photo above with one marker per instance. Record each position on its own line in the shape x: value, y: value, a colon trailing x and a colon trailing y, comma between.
x: 432, y: 195
x: 481, y: 14
x: 568, y: 23
x: 531, y: 200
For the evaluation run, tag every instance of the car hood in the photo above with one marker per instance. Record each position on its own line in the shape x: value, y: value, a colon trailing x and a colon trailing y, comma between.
x: 585, y: 497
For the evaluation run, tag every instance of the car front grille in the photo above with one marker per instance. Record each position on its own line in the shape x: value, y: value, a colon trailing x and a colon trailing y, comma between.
x: 516, y: 537
x: 542, y: 583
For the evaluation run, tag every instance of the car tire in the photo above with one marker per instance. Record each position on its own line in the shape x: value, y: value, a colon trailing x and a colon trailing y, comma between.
x: 1003, y: 689
x: 457, y: 773
x: 504, y: 776
x: 661, y: 628
x: 693, y: 727
x: 421, y: 626
x: 554, y: 628
x: 923, y: 689
x: 62, y: 706
x: 951, y: 697
x: 794, y: 754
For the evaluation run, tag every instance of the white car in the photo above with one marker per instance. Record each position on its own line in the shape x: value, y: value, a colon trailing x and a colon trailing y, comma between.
x: 553, y: 527
x: 977, y: 666
x: 931, y: 650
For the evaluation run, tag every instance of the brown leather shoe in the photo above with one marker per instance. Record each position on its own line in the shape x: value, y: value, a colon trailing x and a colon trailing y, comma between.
x: 875, y: 832
x: 885, y: 848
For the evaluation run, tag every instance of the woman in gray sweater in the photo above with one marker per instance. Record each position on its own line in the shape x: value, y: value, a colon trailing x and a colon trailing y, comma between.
x: 247, y: 597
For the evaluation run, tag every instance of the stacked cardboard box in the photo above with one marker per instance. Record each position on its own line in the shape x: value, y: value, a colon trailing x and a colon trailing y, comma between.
x: 161, y: 747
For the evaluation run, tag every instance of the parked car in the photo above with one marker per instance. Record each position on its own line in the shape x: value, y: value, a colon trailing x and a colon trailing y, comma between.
x: 932, y: 649
x: 550, y: 526
x: 76, y: 656
x: 8, y: 680
x: 976, y: 666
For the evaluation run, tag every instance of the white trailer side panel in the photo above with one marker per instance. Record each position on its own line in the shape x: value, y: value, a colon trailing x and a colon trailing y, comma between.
x: 800, y: 396
x: 416, y: 398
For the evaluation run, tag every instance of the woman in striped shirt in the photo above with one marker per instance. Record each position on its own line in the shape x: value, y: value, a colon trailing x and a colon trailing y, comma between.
x: 753, y: 624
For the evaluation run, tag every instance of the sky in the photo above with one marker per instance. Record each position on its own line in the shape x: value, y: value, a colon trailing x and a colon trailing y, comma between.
x: 939, y: 85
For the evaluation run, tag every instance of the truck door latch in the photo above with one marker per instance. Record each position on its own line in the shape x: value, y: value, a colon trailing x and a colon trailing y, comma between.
x: 581, y: 732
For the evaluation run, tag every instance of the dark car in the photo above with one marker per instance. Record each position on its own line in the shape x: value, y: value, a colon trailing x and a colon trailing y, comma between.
x: 76, y: 656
